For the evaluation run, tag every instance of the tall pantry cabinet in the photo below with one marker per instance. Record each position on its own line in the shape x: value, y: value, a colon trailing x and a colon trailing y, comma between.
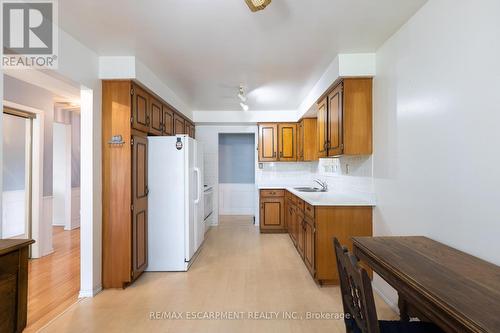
x: 129, y: 114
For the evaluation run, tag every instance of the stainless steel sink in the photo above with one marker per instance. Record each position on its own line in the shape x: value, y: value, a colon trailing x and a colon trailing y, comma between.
x: 308, y: 189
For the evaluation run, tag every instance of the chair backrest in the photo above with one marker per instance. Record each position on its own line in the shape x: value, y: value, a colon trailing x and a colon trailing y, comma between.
x: 357, y: 293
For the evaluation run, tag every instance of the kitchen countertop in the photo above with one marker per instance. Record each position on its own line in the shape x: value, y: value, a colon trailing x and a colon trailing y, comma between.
x: 330, y: 198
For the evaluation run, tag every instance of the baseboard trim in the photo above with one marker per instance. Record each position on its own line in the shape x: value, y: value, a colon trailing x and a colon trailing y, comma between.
x: 89, y: 293
x: 391, y: 304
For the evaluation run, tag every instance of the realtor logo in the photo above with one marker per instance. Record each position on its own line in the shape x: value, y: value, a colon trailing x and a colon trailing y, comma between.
x: 29, y: 34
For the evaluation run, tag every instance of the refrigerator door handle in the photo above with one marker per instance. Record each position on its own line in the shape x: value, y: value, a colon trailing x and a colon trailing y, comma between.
x: 198, y: 181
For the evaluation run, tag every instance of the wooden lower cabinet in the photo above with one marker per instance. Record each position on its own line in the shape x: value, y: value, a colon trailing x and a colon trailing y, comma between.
x: 299, y: 225
x: 273, y: 211
x: 272, y: 214
x: 13, y: 284
x: 312, y: 228
x: 309, y: 244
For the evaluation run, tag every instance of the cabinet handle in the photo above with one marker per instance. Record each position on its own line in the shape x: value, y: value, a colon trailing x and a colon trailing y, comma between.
x: 281, y: 154
x: 147, y: 120
x: 274, y: 154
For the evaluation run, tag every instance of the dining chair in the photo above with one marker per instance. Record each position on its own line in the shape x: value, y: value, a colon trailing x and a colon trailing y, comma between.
x: 360, y: 313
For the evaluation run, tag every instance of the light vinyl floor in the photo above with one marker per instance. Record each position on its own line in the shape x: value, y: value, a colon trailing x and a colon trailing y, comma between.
x: 237, y: 270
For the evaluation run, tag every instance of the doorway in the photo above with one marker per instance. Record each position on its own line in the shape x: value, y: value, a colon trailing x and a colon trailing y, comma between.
x: 16, y: 191
x: 236, y: 176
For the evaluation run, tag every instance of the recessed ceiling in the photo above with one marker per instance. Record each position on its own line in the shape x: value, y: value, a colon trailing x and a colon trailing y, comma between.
x: 203, y: 50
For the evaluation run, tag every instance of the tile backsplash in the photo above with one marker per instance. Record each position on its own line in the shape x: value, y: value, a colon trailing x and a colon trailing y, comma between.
x: 346, y: 173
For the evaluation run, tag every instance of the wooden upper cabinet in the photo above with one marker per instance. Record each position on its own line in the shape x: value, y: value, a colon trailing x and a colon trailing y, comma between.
x: 156, y: 118
x: 322, y: 128
x: 300, y: 141
x: 287, y: 138
x: 139, y: 206
x: 345, y: 119
x: 189, y: 129
x: 357, y: 116
x: 179, y: 126
x: 268, y: 142
x: 335, y: 141
x: 168, y: 121
x: 307, y: 140
x: 140, y: 109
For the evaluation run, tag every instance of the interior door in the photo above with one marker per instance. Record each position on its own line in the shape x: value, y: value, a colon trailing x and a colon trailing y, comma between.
x: 287, y: 142
x: 268, y: 142
x: 322, y: 128
x: 140, y: 109
x: 168, y: 121
x: 179, y: 127
x: 335, y: 137
x: 139, y: 205
x: 156, y: 124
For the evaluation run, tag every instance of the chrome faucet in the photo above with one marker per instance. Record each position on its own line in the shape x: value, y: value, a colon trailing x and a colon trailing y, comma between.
x: 323, y: 184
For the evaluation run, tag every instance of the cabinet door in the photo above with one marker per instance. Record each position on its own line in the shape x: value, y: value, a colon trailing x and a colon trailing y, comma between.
x: 140, y: 109
x: 309, y: 235
x: 268, y: 142
x: 287, y: 142
x: 272, y: 213
x: 300, y: 141
x: 168, y: 121
x: 335, y: 136
x: 179, y: 127
x: 140, y: 206
x: 193, y: 131
x: 322, y: 128
x: 156, y: 124
x: 300, y: 234
x: 291, y: 223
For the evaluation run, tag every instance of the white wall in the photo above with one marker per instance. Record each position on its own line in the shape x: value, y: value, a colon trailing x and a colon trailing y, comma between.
x: 129, y: 67
x: 436, y: 121
x: 78, y: 66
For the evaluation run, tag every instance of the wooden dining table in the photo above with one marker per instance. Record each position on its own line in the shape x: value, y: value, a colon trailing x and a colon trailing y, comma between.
x: 435, y: 282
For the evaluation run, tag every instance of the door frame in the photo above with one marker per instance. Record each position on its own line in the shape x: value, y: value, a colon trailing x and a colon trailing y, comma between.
x: 37, y: 142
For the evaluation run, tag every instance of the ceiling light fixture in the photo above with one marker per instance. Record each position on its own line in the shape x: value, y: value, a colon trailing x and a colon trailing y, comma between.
x: 256, y: 5
x: 241, y: 95
x: 244, y: 106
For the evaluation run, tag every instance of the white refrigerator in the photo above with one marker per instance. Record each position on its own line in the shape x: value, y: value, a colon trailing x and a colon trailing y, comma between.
x: 176, y: 228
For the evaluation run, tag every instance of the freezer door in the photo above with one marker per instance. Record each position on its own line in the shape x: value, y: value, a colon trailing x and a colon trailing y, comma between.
x: 200, y: 203
x: 191, y: 186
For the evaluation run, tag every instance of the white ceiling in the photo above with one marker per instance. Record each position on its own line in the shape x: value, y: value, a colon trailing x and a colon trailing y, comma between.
x: 204, y: 49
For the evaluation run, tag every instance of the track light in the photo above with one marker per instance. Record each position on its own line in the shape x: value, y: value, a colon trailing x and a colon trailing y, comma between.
x: 244, y: 106
x: 241, y: 94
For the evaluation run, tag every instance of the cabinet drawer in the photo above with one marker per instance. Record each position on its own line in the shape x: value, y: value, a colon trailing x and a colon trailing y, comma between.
x: 309, y: 210
x: 309, y: 220
x: 299, y: 203
x: 272, y: 193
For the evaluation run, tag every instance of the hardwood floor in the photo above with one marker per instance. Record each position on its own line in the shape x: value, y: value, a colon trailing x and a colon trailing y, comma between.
x: 238, y: 269
x: 54, y: 280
